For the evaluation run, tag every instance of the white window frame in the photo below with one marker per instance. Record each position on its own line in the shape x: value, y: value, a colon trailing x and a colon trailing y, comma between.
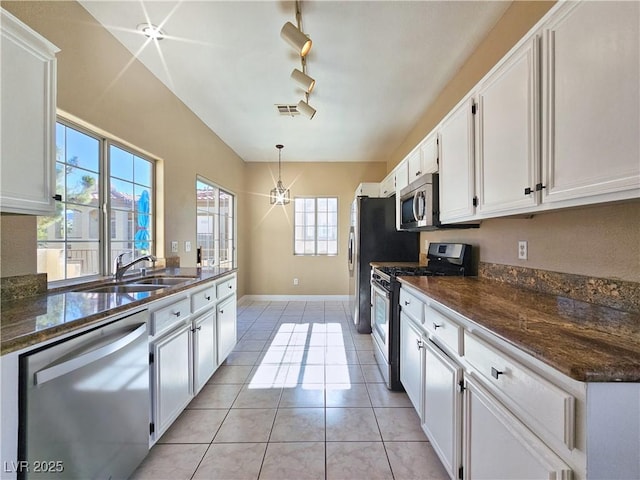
x: 316, y: 226
x: 104, y: 204
x: 214, y: 260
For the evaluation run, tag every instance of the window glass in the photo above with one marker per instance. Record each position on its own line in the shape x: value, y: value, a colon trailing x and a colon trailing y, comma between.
x: 316, y: 226
x: 215, y: 226
x: 72, y: 242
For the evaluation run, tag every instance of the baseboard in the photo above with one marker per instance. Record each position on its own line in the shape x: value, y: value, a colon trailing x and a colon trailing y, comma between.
x: 293, y: 298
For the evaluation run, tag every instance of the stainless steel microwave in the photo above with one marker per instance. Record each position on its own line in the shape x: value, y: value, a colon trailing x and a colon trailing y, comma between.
x: 419, y: 203
x: 420, y: 206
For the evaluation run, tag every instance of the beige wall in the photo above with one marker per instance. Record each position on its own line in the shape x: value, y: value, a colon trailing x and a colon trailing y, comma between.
x: 98, y: 83
x: 272, y: 263
x: 601, y: 241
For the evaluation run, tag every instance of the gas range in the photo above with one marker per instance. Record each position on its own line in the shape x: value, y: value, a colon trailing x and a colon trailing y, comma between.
x: 445, y: 259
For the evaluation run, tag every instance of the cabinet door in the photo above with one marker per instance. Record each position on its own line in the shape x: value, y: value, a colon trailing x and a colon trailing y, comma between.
x: 499, y: 446
x: 414, y: 163
x: 592, y: 73
x: 508, y: 134
x: 442, y: 420
x: 172, y: 386
x: 226, y: 327
x: 429, y: 153
x: 388, y: 185
x: 28, y: 70
x: 402, y: 177
x: 456, y: 164
x: 411, y: 361
x: 204, y: 349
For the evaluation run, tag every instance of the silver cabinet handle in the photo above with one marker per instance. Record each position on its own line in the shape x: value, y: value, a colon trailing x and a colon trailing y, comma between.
x: 419, y: 343
x: 436, y: 326
x: 207, y: 297
x: 221, y: 311
x: 496, y: 373
x: 407, y: 302
x: 177, y: 314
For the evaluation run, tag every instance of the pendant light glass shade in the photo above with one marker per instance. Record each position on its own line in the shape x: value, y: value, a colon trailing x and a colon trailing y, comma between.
x: 304, y: 80
x: 296, y: 38
x: 279, y: 195
x: 305, y: 108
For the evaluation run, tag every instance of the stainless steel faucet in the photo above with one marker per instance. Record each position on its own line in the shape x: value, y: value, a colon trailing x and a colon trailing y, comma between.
x: 119, y: 268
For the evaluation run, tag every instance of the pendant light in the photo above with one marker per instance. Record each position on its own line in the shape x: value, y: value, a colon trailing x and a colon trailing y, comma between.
x: 279, y: 195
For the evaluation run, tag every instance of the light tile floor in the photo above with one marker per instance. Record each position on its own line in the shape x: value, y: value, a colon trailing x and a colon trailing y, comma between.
x: 300, y: 397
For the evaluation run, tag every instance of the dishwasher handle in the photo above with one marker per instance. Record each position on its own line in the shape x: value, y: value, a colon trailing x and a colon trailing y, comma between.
x: 51, y: 373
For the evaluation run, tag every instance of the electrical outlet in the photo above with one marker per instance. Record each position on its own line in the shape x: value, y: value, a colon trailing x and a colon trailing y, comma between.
x: 426, y: 245
x: 174, y: 246
x: 295, y: 282
x: 522, y: 250
x: 187, y: 246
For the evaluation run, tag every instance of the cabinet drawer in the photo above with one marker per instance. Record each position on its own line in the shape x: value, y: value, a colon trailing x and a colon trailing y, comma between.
x: 202, y: 298
x: 546, y: 408
x: 224, y: 289
x: 412, y: 306
x: 443, y: 329
x: 165, y: 317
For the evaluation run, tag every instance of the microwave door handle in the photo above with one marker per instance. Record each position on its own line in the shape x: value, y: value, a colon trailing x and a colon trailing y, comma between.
x: 422, y: 207
x: 418, y: 206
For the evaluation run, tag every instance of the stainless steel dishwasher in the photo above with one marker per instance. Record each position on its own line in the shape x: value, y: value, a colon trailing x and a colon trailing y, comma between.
x: 84, y: 411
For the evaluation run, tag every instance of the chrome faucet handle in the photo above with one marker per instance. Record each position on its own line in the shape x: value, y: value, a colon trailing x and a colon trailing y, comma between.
x: 117, y: 263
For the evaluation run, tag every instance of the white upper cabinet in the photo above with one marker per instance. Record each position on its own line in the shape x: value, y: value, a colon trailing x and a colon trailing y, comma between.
x: 507, y: 156
x: 591, y: 68
x: 429, y: 153
x: 388, y: 185
x: 456, y: 164
x: 414, y: 162
x: 424, y: 158
x: 28, y: 67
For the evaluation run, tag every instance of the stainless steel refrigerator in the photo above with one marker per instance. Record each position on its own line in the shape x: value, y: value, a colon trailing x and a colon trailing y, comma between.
x: 373, y: 237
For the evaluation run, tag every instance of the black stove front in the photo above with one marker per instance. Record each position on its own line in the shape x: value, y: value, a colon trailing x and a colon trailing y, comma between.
x: 445, y: 259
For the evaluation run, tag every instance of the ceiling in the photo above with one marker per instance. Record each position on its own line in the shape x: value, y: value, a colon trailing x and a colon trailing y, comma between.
x: 378, y: 65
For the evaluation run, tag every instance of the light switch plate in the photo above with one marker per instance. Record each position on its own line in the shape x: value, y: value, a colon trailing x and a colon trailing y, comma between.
x: 174, y: 246
x: 187, y: 246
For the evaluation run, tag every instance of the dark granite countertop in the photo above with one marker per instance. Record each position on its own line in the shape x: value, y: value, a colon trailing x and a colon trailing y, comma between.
x: 29, y: 321
x: 587, y: 342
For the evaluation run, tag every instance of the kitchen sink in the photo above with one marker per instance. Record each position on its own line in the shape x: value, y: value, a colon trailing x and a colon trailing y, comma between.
x: 126, y: 288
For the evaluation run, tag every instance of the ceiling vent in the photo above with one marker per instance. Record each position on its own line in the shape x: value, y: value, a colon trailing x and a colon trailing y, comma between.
x: 287, y: 110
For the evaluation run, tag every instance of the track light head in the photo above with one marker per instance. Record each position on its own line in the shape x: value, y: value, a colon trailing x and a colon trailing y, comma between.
x: 305, y: 108
x: 304, y: 80
x: 296, y: 38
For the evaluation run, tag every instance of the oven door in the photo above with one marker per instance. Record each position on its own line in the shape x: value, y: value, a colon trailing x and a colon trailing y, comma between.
x: 380, y: 317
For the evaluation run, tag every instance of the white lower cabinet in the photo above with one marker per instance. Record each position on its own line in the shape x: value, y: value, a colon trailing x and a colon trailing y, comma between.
x: 205, y: 360
x: 226, y: 328
x: 411, y: 360
x: 193, y: 332
x: 442, y: 413
x: 499, y: 446
x: 171, y: 377
x: 486, y: 415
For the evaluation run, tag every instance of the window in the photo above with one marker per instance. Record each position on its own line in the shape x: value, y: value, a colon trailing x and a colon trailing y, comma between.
x: 76, y: 241
x: 316, y: 226
x: 215, y: 226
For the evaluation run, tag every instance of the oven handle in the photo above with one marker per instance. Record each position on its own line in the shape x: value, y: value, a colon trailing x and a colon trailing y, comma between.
x: 381, y: 290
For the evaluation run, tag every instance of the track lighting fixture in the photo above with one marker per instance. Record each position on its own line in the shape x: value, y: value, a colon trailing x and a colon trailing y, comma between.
x: 304, y: 80
x: 305, y: 108
x: 298, y: 40
x: 302, y: 43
